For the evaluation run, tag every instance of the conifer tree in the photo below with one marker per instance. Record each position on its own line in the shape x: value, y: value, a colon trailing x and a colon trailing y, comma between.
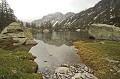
x: 6, y: 14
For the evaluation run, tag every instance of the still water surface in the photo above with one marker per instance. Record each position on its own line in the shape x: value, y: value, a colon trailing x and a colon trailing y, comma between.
x: 55, y: 48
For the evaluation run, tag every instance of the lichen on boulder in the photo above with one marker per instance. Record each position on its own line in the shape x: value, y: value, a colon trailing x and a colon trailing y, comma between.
x: 104, y: 31
x: 17, y: 33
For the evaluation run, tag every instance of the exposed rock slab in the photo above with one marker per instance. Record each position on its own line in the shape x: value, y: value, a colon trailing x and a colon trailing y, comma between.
x: 17, y: 33
x: 104, y: 31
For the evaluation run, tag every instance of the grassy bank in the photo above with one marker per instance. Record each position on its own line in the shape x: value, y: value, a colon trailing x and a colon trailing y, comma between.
x: 16, y: 62
x: 103, y: 57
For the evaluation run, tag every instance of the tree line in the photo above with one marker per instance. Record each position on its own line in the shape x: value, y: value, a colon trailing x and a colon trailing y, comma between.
x: 6, y: 14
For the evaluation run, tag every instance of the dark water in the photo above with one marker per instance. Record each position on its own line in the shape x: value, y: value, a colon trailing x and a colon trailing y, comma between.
x: 55, y: 48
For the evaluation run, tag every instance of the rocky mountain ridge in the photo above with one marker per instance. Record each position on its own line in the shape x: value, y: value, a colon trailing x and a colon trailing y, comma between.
x: 105, y: 12
x: 102, y: 12
x: 53, y: 18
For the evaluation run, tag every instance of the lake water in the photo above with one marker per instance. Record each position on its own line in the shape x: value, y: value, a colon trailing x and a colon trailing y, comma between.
x: 55, y: 48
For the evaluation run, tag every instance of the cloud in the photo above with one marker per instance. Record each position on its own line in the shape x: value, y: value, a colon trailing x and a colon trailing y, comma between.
x: 83, y: 4
x: 29, y: 10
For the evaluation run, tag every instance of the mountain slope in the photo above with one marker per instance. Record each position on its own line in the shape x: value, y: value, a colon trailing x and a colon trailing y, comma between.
x: 102, y: 12
x: 54, y: 17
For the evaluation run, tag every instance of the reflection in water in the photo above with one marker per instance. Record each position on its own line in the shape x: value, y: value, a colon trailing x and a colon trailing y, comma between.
x: 54, y: 49
x: 51, y: 56
x: 59, y: 38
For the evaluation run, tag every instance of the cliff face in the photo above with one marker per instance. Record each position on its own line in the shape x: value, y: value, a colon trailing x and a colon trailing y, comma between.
x: 102, y: 12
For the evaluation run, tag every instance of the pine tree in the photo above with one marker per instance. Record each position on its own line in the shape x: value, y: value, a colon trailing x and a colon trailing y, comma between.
x: 6, y: 14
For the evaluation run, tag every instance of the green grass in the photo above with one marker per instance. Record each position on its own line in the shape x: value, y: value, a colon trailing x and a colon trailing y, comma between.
x: 15, y: 61
x: 103, y: 58
x: 110, y: 48
x: 17, y: 65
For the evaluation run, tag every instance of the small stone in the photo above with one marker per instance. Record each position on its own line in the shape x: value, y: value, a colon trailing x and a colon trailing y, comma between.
x: 77, y: 65
x: 118, y: 71
x: 82, y: 70
x: 83, y: 75
x: 76, y: 71
x: 76, y: 49
x: 66, y: 76
x: 94, y: 77
x: 64, y: 65
x: 111, y: 70
x: 102, y: 42
x: 45, y: 61
x: 72, y: 67
x: 14, y: 71
x: 47, y: 76
x: 70, y: 74
x: 118, y: 65
x: 61, y: 70
x: 102, y: 72
x: 86, y: 69
x: 73, y: 78
x: 77, y: 75
x: 88, y: 75
x: 51, y: 54
x: 90, y: 71
x: 82, y: 66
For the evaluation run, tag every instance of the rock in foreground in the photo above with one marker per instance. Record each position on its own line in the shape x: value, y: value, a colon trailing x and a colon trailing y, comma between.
x: 71, y: 72
x: 18, y: 34
x: 104, y: 31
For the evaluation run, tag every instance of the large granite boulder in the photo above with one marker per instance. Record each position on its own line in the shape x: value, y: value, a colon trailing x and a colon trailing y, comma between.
x: 104, y: 31
x: 17, y: 33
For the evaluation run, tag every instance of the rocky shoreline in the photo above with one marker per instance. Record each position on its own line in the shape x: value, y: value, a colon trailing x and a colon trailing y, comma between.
x: 79, y: 71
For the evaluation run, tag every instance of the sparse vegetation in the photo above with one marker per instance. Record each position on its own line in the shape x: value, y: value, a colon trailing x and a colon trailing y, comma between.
x: 103, y: 57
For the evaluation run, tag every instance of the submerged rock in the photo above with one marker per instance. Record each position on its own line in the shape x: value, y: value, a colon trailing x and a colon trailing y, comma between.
x: 17, y: 33
x: 104, y: 31
x: 102, y: 42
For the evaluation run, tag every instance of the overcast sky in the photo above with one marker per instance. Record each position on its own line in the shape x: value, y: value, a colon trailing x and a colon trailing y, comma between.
x: 29, y: 10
